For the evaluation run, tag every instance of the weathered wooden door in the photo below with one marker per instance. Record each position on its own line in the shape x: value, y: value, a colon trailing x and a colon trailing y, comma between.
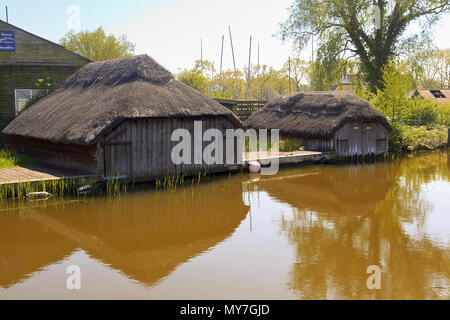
x: 118, y: 160
x: 368, y: 139
x: 118, y: 155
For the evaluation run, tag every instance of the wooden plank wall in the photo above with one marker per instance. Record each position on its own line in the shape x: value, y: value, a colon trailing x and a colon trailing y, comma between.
x: 33, y: 49
x: 141, y: 149
x: 368, y: 138
x: 58, y: 154
x: 24, y: 77
x: 361, y: 139
x: 312, y: 144
x: 33, y: 59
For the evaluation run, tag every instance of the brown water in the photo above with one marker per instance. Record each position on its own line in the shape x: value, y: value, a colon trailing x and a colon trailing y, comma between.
x: 306, y: 233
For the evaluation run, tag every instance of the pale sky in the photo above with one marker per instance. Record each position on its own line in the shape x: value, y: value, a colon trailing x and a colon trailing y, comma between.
x: 170, y: 31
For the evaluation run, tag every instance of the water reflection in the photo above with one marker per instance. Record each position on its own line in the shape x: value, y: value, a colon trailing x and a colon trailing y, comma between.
x: 144, y: 235
x: 311, y: 234
x: 347, y: 218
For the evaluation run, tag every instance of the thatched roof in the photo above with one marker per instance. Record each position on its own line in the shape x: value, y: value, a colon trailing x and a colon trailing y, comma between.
x: 103, y: 94
x: 315, y: 114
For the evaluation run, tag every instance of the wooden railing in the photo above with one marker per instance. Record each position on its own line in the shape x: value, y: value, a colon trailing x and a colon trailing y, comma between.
x: 242, y: 109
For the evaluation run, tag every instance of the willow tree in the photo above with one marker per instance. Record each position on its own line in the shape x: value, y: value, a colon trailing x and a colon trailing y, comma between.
x: 371, y: 30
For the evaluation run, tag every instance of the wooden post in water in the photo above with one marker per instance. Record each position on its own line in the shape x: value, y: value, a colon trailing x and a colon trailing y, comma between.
x: 448, y: 138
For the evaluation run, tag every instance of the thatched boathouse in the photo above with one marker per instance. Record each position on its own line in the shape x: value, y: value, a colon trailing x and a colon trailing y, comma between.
x: 116, y: 118
x: 326, y: 122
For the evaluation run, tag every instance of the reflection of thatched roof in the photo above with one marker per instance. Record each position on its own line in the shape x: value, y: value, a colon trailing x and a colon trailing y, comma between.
x: 315, y: 114
x: 103, y: 94
x: 144, y: 235
x: 325, y: 190
x: 27, y: 247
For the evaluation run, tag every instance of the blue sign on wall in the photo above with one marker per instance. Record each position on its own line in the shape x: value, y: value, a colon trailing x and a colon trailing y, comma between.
x: 7, y: 41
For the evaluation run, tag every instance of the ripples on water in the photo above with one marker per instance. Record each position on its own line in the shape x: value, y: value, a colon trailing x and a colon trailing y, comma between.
x: 307, y: 233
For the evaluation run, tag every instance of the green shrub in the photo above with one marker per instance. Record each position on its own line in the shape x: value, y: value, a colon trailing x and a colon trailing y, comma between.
x: 9, y: 158
x: 423, y: 137
x: 284, y: 145
x: 395, y: 139
x: 423, y: 112
x: 444, y: 115
x: 289, y: 145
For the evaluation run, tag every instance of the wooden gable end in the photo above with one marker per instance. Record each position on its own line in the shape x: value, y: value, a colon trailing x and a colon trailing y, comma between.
x: 34, y: 50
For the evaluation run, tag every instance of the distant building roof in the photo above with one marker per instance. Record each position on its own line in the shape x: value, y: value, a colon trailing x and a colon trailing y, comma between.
x: 437, y: 95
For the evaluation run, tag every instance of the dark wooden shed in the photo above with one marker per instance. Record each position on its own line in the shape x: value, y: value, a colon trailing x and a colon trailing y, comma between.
x: 343, y: 123
x: 25, y: 58
x: 116, y: 118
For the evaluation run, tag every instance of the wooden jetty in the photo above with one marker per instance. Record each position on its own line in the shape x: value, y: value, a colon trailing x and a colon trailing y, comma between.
x: 39, y: 173
x: 293, y: 157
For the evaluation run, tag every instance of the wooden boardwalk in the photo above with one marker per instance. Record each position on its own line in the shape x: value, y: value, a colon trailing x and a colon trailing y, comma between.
x: 36, y: 173
x: 39, y: 173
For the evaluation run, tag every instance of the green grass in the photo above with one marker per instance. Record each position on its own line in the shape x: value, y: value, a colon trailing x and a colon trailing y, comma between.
x: 9, y: 158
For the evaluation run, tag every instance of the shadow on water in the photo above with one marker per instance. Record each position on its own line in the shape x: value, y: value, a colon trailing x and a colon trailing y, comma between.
x: 145, y: 235
x: 348, y: 218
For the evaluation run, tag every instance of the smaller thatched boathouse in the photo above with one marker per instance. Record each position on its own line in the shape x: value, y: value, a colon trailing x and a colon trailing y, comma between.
x: 117, y: 118
x: 326, y: 122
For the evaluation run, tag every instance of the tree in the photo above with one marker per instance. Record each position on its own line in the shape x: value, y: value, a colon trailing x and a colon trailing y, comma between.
x: 299, y: 70
x: 430, y: 68
x: 200, y: 77
x: 394, y: 100
x: 372, y: 30
x: 194, y: 77
x: 327, y: 72
x: 266, y: 82
x: 97, y: 45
